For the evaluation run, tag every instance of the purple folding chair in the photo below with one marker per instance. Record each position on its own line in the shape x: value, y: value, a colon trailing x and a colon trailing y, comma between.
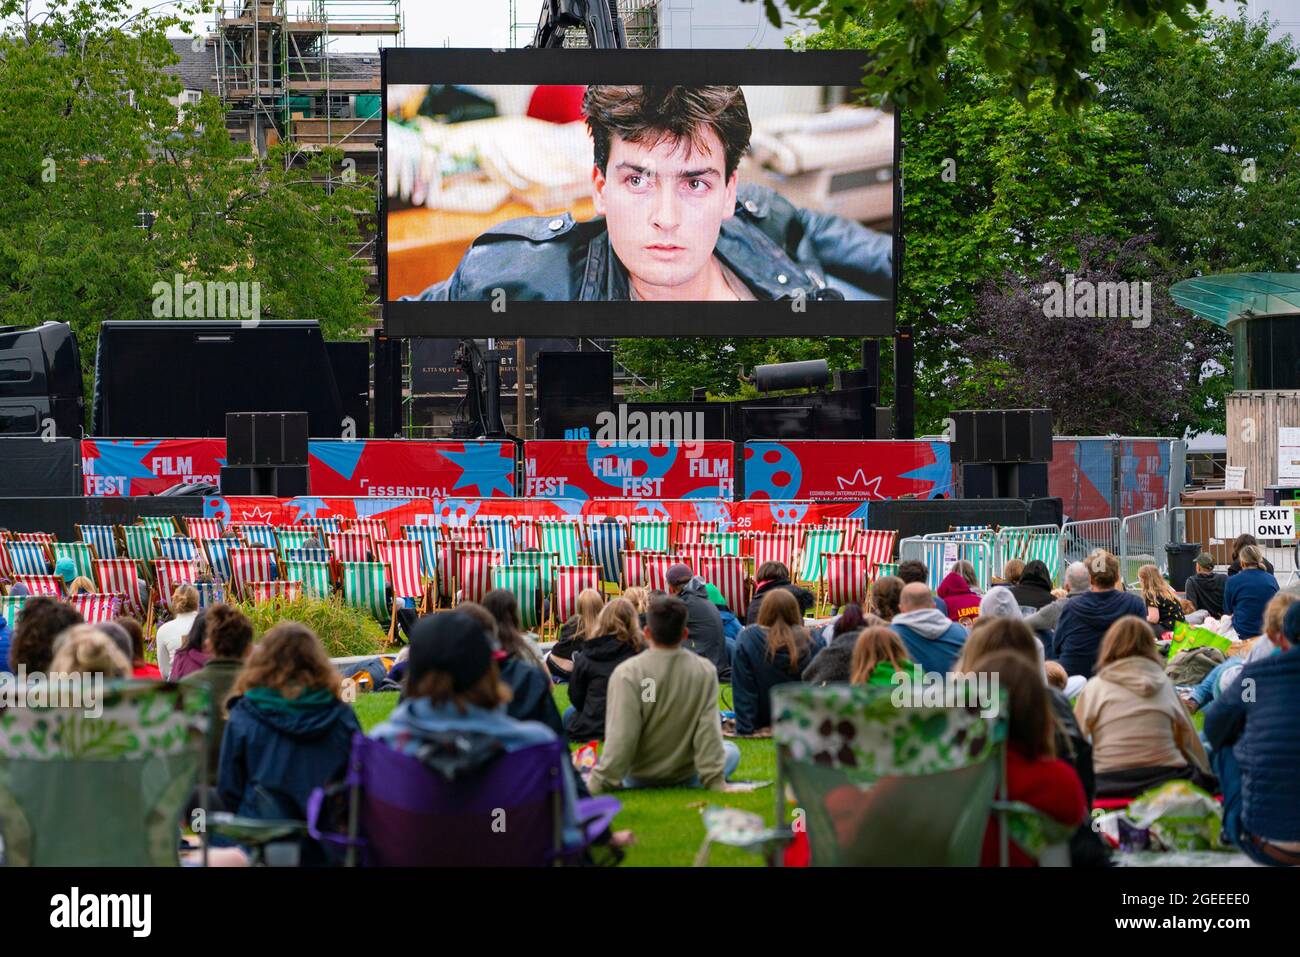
x: 402, y: 814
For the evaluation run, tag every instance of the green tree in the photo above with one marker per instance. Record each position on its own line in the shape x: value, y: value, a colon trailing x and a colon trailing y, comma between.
x: 110, y: 188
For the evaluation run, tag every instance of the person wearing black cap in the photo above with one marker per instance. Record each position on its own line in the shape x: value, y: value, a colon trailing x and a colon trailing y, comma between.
x: 455, y: 698
x: 1205, y: 588
x: 704, y: 632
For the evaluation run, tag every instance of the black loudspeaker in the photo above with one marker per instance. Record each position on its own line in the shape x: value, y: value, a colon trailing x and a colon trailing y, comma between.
x: 1002, y: 435
x: 1045, y: 511
x: 266, y: 438
x: 924, y: 516
x: 572, y: 389
x: 1004, y: 479
x: 281, y: 481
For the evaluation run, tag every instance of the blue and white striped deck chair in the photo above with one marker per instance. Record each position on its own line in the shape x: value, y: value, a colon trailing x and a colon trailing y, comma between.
x: 210, y: 593
x: 501, y: 532
x: 178, y: 548
x: 28, y: 558
x: 331, y: 525
x: 218, y: 550
x: 101, y: 538
x: 428, y: 536
x: 260, y: 536
x: 309, y: 555
x: 651, y: 536
x: 607, y: 540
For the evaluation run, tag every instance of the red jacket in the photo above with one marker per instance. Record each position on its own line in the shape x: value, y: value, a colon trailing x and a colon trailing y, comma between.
x: 963, y: 604
x: 1048, y: 784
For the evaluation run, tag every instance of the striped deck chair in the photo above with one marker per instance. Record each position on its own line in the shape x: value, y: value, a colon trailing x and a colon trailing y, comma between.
x: 816, y: 543
x: 607, y: 541
x: 210, y: 593
x: 845, y: 578
x: 326, y: 526
x: 81, y: 555
x: 258, y: 536
x: 405, y: 561
x: 655, y: 568
x: 51, y: 585
x: 546, y: 561
x: 351, y: 546
x: 96, y: 609
x: 201, y: 529
x: 365, y: 586
x: 248, y: 565
x: 164, y: 526
x: 525, y: 583
x: 728, y: 543
x: 501, y: 532
x: 727, y: 574
x: 28, y: 558
x: 651, y: 536
x: 177, y: 547
x: 773, y: 547
x: 309, y: 555
x: 45, y: 538
x: 878, y: 545
x: 427, y: 536
x: 885, y: 568
x: 851, y: 527
x: 469, y: 536
x: 281, y: 590
x: 140, y: 541
x: 316, y: 578
x: 101, y: 538
x: 562, y: 538
x: 121, y: 576
x: 474, y: 571
x: 10, y: 607
x: 218, y: 551
x: 526, y: 534
x: 1031, y: 544
x: 696, y: 552
x: 570, y: 582
x: 376, y: 528
x: 688, y: 533
x: 292, y: 538
x: 169, y: 573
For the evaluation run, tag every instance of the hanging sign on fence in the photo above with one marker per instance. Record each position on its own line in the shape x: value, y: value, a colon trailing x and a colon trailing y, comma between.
x: 1275, y: 522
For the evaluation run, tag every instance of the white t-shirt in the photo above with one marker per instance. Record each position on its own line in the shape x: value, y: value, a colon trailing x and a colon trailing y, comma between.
x: 171, y: 636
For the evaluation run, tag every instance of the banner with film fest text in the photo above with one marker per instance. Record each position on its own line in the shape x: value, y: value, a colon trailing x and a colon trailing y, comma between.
x: 118, y: 467
x: 855, y: 470
x: 590, y: 469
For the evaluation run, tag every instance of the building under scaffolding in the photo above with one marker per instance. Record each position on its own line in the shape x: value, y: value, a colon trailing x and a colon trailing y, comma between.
x: 640, y: 23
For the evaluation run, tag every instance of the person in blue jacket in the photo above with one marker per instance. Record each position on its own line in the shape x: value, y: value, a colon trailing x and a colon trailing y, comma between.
x: 287, y: 732
x: 1251, y: 727
x: 933, y: 640
x: 1086, y: 618
x: 775, y: 651
x: 1247, y: 592
x: 4, y: 645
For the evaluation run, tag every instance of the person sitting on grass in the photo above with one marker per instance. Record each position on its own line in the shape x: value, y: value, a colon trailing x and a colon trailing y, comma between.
x: 287, y: 732
x: 705, y: 634
x: 959, y: 594
x: 1251, y: 727
x: 773, y: 652
x: 86, y: 650
x: 574, y: 632
x: 640, y: 599
x: 1085, y: 618
x: 530, y: 686
x: 1247, y: 592
x: 931, y: 638
x: 1205, y: 588
x: 140, y: 668
x: 913, y: 571
x: 1222, y: 674
x: 878, y: 656
x: 228, y: 638
x: 1012, y: 569
x: 770, y: 576
x: 662, y: 727
x: 192, y: 655
x: 1141, y: 734
x: 885, y: 594
x: 834, y: 663
x: 1033, y: 589
x: 1164, y: 610
x: 619, y: 639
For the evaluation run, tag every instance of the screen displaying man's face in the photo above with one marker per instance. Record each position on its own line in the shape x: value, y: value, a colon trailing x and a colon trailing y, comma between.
x: 664, y: 204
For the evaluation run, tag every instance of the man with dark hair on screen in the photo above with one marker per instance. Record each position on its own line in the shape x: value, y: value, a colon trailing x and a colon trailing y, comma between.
x: 673, y: 223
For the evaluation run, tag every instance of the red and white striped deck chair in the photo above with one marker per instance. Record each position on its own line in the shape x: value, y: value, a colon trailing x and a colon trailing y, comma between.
x: 773, y: 547
x: 474, y: 571
x: 526, y: 537
x: 171, y: 572
x: 351, y: 546
x: 201, y: 529
x: 727, y: 574
x: 281, y: 590
x: 468, y: 536
x: 878, y: 545
x: 656, y: 568
x: 405, y: 561
x: 376, y: 528
x: 28, y: 558
x: 42, y: 584
x: 696, y: 552
x: 248, y: 565
x: 570, y: 581
x: 845, y: 578
x: 96, y: 609
x: 851, y: 527
x: 688, y: 533
x: 427, y: 536
x: 121, y: 576
x: 45, y: 538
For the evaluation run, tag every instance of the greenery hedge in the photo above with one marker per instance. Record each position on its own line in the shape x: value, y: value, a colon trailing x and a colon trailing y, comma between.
x: 344, y: 630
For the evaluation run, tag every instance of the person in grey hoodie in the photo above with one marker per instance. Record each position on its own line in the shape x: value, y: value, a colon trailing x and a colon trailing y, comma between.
x: 1076, y: 583
x: 932, y: 639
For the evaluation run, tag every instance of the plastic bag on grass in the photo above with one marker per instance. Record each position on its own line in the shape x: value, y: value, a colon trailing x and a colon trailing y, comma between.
x: 1181, y: 816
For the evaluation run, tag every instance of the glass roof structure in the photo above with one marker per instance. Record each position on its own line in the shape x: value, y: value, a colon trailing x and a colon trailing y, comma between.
x: 1226, y: 297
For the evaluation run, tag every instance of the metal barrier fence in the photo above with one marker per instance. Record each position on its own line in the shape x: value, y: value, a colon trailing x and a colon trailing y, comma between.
x: 1078, y: 539
x: 1029, y: 543
x: 1215, y: 527
x: 940, y: 551
x: 1142, y: 541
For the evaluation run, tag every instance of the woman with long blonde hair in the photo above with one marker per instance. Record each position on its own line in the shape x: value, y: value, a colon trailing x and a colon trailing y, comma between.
x: 1163, y: 607
x: 878, y: 655
x: 775, y: 651
x: 582, y: 626
x: 618, y: 639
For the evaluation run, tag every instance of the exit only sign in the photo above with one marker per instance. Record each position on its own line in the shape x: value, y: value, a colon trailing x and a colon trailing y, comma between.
x: 1275, y: 523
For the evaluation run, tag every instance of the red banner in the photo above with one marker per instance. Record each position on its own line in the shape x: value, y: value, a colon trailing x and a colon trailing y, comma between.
x: 402, y: 468
x: 591, y: 469
x: 861, y: 471
x: 113, y: 467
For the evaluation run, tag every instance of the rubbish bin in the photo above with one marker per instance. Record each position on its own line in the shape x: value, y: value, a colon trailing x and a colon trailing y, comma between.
x: 1181, y: 557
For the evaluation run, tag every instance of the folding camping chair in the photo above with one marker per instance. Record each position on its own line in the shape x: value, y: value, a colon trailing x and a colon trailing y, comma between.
x: 102, y: 538
x: 691, y: 533
x: 727, y: 543
x: 249, y: 565
x: 79, y: 553
x: 51, y: 585
x: 474, y: 572
x: 607, y: 542
x: 280, y: 590
x: 845, y: 579
x: 121, y: 576
x: 140, y: 542
x: 650, y: 535
x: 727, y: 574
x: 365, y: 586
x: 570, y: 582
x: 133, y: 761
x: 773, y: 547
x: 816, y: 543
x: 96, y: 609
x: 500, y: 532
x: 170, y: 573
x: 28, y: 558
x: 562, y: 538
x: 201, y: 529
x: 316, y: 577
x: 177, y: 547
x: 878, y: 545
x: 351, y: 546
x: 218, y: 551
x: 405, y: 560
x: 525, y: 583
x: 403, y: 814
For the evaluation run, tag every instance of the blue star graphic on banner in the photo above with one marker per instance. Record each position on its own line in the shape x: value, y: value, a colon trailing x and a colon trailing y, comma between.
x: 938, y: 473
x: 340, y: 456
x: 483, y: 468
x: 123, y: 459
x: 306, y: 507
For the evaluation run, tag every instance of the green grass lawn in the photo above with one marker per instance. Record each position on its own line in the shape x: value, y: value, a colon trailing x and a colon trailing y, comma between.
x: 667, y: 821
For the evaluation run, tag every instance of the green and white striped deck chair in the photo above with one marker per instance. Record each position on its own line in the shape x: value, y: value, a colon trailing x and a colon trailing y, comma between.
x: 886, y: 568
x: 524, y: 582
x: 546, y: 561
x: 652, y: 536
x: 562, y: 538
x: 728, y: 542
x: 291, y: 539
x: 79, y: 552
x: 816, y: 543
x: 10, y: 606
x: 316, y: 577
x: 981, y: 559
x: 140, y: 542
x: 1030, y: 545
x: 164, y: 526
x: 365, y: 586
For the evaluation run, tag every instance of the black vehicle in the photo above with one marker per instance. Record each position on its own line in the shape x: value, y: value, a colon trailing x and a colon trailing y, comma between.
x: 40, y: 381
